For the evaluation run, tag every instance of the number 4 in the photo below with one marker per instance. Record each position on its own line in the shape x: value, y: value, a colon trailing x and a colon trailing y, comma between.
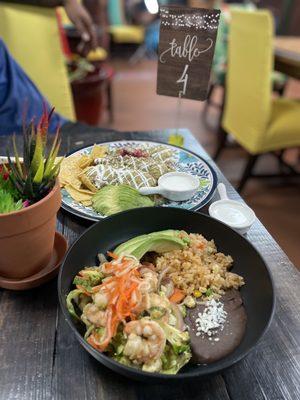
x: 183, y: 79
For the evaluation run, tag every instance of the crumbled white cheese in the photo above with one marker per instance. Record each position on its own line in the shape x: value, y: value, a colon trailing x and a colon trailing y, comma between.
x: 211, y: 319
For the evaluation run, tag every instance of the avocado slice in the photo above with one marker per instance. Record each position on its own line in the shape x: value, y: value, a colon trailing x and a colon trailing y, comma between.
x: 159, y: 242
x: 133, y: 243
x: 115, y: 198
x: 159, y: 245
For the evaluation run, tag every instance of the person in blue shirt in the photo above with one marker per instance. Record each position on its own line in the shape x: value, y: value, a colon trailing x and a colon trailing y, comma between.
x: 20, y: 99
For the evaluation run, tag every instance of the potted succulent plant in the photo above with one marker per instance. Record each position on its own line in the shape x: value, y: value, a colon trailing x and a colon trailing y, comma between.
x: 29, y: 201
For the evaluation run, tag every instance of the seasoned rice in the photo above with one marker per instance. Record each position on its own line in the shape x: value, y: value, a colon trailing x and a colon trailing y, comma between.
x: 199, y: 267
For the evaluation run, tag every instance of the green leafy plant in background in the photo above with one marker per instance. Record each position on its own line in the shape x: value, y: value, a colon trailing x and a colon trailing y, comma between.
x: 79, y: 69
x: 35, y: 176
x: 7, y: 202
x: 6, y: 184
x: 9, y: 196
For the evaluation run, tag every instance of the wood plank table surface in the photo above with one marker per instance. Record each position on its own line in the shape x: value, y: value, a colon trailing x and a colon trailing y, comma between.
x: 287, y: 55
x: 41, y: 359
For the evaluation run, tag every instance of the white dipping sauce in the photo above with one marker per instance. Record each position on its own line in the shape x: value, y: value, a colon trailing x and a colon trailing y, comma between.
x: 175, y: 186
x: 178, y: 182
x: 231, y: 214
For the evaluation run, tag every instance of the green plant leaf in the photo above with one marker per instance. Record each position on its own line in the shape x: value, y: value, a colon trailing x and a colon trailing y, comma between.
x: 7, y: 203
x: 38, y: 177
x: 38, y: 154
x: 17, y: 159
x: 52, y: 155
x: 15, y: 173
x: 17, y: 185
x: 7, y: 184
x: 28, y: 192
x: 32, y: 144
x: 55, y: 171
x: 26, y: 147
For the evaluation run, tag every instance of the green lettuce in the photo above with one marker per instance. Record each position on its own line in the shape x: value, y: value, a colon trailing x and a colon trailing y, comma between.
x: 88, y: 278
x: 172, y: 362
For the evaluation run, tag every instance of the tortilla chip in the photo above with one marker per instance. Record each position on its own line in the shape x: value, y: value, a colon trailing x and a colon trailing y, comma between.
x: 98, y: 151
x: 71, y: 167
x: 87, y: 182
x: 85, y: 161
x: 69, y: 171
x: 81, y: 195
x: 87, y: 203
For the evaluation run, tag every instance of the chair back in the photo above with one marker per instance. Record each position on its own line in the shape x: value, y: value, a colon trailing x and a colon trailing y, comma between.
x: 32, y: 37
x: 115, y: 11
x: 248, y: 81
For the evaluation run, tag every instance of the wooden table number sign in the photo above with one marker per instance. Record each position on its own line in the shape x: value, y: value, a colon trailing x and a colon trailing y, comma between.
x: 186, y: 49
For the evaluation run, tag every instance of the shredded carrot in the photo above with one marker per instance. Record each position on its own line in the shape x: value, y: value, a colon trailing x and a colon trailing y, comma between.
x: 99, y: 345
x: 113, y: 255
x: 83, y: 289
x: 92, y: 341
x: 122, y: 291
x: 177, y: 296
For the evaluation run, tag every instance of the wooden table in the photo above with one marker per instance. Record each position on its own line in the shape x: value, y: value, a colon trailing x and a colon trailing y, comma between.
x: 287, y: 55
x: 40, y: 358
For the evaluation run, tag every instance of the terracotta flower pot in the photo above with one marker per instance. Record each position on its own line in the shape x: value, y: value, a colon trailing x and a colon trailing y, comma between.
x: 27, y: 237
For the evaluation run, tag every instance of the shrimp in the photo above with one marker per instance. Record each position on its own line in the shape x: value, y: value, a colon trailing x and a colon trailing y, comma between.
x: 146, y: 341
x: 159, y: 301
x: 161, y: 304
x: 150, y: 300
x: 100, y: 300
x: 146, y: 288
x: 93, y: 315
x: 144, y: 304
x: 150, y: 277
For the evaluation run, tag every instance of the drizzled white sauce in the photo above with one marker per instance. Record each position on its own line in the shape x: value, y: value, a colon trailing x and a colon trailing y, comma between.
x: 105, y: 174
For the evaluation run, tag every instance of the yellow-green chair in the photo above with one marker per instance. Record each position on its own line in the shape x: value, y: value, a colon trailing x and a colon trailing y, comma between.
x: 120, y: 31
x: 258, y: 122
x: 32, y: 37
x: 131, y: 34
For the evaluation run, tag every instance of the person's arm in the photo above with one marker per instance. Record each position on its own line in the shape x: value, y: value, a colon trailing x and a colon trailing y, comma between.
x: 82, y: 21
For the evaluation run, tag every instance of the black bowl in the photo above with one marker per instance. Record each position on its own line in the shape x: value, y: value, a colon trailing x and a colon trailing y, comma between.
x: 258, y: 293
